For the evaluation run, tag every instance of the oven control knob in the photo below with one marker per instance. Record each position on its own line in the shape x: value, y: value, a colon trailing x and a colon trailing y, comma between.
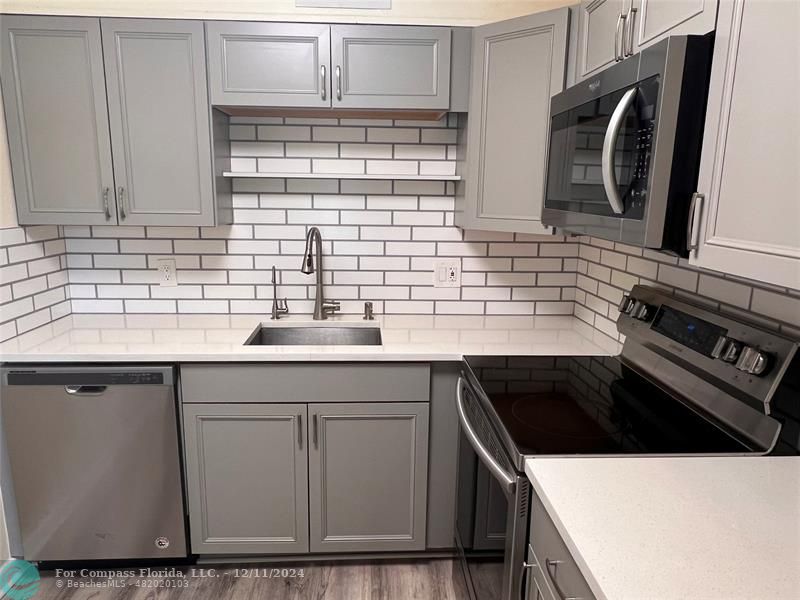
x: 626, y: 304
x: 753, y: 361
x: 727, y: 349
x: 642, y: 311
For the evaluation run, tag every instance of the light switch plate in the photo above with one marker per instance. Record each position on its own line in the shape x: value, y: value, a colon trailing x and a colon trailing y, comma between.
x: 447, y: 273
x: 167, y: 275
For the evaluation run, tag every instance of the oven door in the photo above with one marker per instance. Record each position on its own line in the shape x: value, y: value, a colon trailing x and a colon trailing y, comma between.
x: 492, y: 506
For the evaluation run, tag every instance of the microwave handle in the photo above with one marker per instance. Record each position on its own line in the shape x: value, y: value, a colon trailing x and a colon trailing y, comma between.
x: 507, y: 481
x: 610, y: 150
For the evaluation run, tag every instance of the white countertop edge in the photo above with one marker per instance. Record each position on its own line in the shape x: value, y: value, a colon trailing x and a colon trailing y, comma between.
x: 562, y: 531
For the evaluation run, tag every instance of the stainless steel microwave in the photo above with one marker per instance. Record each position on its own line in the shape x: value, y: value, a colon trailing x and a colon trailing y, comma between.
x: 624, y: 149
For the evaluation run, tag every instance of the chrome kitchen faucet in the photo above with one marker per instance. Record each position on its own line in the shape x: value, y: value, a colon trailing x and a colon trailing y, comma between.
x: 321, y: 306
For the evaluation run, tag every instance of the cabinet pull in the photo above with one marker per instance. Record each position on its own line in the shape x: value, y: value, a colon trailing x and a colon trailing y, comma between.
x: 300, y: 431
x: 552, y: 572
x: 121, y: 197
x: 106, y: 208
x: 618, y: 47
x: 316, y: 427
x: 693, y: 222
x: 323, y: 82
x: 338, y: 82
x: 629, y: 23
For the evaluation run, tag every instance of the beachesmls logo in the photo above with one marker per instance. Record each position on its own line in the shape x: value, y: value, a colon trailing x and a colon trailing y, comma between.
x: 19, y: 580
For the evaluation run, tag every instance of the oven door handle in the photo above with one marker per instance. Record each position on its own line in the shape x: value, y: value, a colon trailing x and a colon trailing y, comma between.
x: 610, y: 150
x: 508, y: 482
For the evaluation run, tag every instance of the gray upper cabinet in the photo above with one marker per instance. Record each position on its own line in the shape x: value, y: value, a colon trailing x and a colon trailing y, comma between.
x: 368, y: 470
x: 390, y: 67
x: 517, y: 66
x: 55, y: 104
x: 159, y: 115
x: 269, y: 64
x: 611, y: 30
x: 600, y: 29
x: 246, y: 467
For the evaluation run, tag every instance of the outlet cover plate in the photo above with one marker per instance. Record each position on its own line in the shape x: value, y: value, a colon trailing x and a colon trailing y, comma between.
x: 447, y: 273
x: 167, y: 273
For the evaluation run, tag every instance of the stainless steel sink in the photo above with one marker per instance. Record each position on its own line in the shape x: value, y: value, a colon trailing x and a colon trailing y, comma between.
x: 315, y: 336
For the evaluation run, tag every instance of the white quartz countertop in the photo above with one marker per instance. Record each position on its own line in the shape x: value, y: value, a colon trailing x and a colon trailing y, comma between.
x: 220, y: 338
x: 655, y: 528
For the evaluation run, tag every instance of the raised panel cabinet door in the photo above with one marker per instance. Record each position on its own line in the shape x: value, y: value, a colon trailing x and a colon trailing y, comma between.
x: 269, y: 64
x: 55, y: 103
x: 247, y: 478
x: 655, y: 20
x: 378, y: 66
x: 368, y: 473
x: 600, y: 34
x: 159, y: 115
x: 517, y: 66
x: 749, y: 176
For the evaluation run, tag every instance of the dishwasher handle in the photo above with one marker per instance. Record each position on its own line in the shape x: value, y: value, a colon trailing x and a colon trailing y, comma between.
x: 85, y: 390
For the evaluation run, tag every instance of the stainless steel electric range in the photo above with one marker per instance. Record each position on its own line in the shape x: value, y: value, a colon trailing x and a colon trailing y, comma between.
x: 689, y: 381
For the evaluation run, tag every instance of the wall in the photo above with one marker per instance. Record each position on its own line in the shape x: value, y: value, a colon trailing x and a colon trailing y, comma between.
x: 380, y: 237
x: 606, y: 270
x: 439, y: 12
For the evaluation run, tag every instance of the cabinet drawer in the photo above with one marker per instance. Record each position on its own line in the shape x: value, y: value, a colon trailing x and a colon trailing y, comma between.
x: 306, y: 382
x: 556, y: 563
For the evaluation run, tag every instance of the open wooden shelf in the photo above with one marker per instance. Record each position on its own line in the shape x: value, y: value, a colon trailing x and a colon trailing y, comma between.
x: 385, y: 176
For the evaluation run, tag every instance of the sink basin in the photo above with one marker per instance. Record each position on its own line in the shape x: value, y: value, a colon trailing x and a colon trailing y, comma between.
x: 315, y: 336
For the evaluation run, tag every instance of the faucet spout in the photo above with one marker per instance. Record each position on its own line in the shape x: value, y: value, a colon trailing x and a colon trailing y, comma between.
x: 312, y: 261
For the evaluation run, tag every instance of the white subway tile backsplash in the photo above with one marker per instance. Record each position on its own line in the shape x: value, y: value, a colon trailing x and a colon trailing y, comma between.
x: 339, y: 134
x: 338, y: 165
x: 283, y: 165
x: 393, y: 135
x: 284, y: 133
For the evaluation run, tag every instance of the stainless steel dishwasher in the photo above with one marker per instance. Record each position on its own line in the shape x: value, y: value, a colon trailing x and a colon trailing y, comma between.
x: 94, y: 462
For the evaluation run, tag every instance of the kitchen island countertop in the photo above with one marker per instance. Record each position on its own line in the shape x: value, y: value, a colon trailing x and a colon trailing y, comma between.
x: 702, y: 528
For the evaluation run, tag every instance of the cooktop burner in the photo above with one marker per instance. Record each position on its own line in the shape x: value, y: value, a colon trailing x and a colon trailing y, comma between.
x: 591, y: 405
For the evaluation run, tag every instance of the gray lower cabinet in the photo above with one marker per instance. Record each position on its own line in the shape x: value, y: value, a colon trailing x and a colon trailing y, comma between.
x: 53, y: 83
x: 108, y: 121
x: 246, y: 467
x: 159, y: 115
x: 368, y: 470
x: 269, y: 64
x: 517, y: 66
x: 394, y: 67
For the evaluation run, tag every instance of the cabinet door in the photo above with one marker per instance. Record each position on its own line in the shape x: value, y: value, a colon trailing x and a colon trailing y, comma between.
x: 368, y: 471
x: 246, y: 468
x: 159, y: 115
x: 55, y: 105
x: 390, y: 66
x: 654, y: 20
x: 269, y: 64
x: 751, y: 146
x: 598, y: 40
x: 517, y: 66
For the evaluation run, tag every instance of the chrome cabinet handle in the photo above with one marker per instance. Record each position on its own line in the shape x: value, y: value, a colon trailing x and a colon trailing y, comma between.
x: 629, y: 23
x: 617, y: 45
x: 316, y: 434
x: 338, y: 82
x: 323, y: 82
x: 554, y: 563
x: 506, y: 480
x: 300, y: 431
x: 693, y: 222
x: 610, y: 149
x: 121, y: 197
x: 106, y: 208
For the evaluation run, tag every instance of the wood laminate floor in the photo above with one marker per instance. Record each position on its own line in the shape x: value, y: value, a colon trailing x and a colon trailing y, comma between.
x: 431, y: 579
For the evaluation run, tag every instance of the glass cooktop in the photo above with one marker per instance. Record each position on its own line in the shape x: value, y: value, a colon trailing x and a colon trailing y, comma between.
x: 592, y: 405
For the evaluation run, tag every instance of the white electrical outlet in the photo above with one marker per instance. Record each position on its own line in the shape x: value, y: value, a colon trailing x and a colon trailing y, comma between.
x: 447, y: 273
x: 167, y: 277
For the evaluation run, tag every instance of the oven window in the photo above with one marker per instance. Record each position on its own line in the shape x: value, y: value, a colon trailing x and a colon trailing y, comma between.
x: 574, y: 175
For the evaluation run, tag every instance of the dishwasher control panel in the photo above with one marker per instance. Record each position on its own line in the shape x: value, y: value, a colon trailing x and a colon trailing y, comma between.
x: 33, y: 376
